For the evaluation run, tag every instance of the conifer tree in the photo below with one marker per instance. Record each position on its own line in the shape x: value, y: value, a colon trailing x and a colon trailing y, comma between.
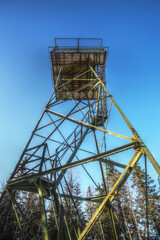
x: 30, y: 206
x: 8, y: 224
x: 90, y: 209
x: 52, y: 227
x: 153, y: 203
x: 73, y: 209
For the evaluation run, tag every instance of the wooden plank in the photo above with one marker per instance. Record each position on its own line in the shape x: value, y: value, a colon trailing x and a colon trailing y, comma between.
x: 72, y: 64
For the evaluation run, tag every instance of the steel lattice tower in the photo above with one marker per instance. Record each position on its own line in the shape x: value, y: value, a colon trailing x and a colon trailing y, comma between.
x: 75, y: 131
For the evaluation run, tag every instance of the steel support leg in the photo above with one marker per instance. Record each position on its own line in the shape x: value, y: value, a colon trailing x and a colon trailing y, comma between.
x: 59, y: 209
x: 61, y: 229
x: 23, y: 216
x: 145, y: 158
x: 119, y: 183
x: 106, y: 190
x: 137, y: 137
x: 43, y: 212
x: 18, y: 220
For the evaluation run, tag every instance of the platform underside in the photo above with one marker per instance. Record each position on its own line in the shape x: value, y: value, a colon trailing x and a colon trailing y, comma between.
x: 72, y: 76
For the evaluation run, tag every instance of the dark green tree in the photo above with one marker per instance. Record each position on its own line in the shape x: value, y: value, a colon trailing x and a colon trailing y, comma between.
x: 8, y: 224
x: 30, y: 206
x: 90, y: 210
x: 139, y: 186
x: 52, y: 227
x: 73, y: 206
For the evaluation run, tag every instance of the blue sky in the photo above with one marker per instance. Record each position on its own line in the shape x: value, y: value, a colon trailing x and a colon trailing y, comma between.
x: 27, y: 28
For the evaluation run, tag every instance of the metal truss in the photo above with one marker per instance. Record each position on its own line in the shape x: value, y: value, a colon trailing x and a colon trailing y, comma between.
x: 74, y: 135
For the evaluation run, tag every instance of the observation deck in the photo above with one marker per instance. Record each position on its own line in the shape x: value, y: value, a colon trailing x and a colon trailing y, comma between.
x: 71, y: 60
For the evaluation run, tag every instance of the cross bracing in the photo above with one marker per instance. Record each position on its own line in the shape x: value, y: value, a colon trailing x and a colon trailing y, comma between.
x: 75, y: 131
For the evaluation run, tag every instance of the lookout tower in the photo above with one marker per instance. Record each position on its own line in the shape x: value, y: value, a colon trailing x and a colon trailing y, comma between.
x: 73, y: 132
x: 73, y: 79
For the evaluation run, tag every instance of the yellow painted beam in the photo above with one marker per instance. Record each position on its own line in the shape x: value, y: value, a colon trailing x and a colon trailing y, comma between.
x: 113, y: 190
x: 90, y: 125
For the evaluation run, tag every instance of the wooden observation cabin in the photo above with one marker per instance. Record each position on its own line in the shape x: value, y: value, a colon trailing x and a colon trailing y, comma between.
x: 72, y: 76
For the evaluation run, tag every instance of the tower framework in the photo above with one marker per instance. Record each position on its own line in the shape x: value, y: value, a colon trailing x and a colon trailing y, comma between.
x: 75, y: 131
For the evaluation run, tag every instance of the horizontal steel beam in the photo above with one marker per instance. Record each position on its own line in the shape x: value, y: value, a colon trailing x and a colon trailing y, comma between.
x: 98, y: 157
x: 87, y: 124
x: 93, y: 199
x: 111, y: 162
